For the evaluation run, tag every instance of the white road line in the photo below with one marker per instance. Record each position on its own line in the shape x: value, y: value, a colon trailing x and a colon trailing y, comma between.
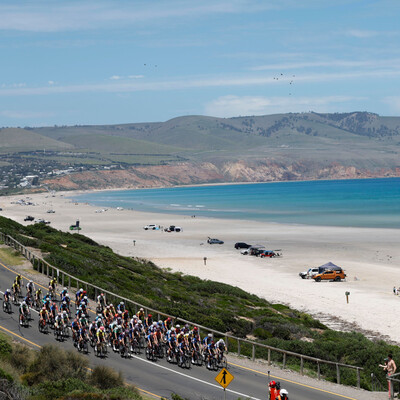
x: 195, y: 379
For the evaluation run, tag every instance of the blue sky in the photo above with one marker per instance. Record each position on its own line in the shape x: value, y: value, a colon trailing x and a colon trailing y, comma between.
x: 105, y: 62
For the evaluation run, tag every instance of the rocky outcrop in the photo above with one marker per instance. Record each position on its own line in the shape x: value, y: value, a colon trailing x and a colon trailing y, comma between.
x: 187, y: 173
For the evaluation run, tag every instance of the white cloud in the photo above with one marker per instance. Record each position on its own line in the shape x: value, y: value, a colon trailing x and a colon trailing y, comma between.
x: 135, y: 76
x: 377, y: 63
x: 51, y: 82
x: 362, y: 34
x: 115, y: 77
x: 231, y: 106
x: 120, y: 86
x: 49, y: 16
x: 24, y: 114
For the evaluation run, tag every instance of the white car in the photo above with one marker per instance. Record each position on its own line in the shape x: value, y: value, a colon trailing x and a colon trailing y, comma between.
x: 151, y: 227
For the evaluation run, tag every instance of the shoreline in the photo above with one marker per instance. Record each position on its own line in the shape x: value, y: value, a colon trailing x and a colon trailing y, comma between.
x: 369, y: 256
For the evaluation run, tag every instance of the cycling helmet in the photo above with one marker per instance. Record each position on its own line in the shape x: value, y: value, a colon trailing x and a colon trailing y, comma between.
x: 23, y: 303
x: 178, y: 326
x: 141, y: 309
x: 139, y: 321
x: 85, y: 298
x: 154, y: 323
x: 64, y: 312
x: 39, y: 290
x: 122, y: 303
x: 30, y: 281
x: 210, y: 335
x: 149, y: 316
x: 195, y: 328
x: 64, y: 302
x: 81, y: 289
x: 168, y: 319
x: 284, y: 393
x: 111, y: 305
x: 19, y: 276
x: 102, y: 328
x: 272, y: 384
x: 101, y: 294
x: 172, y: 329
x: 160, y: 321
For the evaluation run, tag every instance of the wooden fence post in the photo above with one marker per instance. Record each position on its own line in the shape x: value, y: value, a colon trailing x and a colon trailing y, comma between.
x: 337, y: 374
x: 253, y: 352
x: 302, y: 365
x: 284, y: 361
x: 319, y: 370
x: 269, y: 356
x: 358, y: 378
x: 238, y: 347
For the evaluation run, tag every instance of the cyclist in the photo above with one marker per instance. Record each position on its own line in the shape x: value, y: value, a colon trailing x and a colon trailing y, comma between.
x: 63, y: 292
x: 7, y: 296
x: 221, y: 347
x: 121, y: 307
x: 15, y: 289
x: 43, y: 316
x: 82, y: 336
x: 168, y: 324
x: 18, y: 280
x: 171, y: 345
x: 38, y: 296
x: 75, y: 329
x: 101, y: 301
x: 64, y: 307
x: 140, y: 314
x: 148, y: 321
x: 273, y: 390
x: 30, y: 288
x: 23, y: 312
x: 53, y: 310
x: 115, y: 335
x: 52, y: 286
x: 78, y: 296
x: 65, y: 318
x: 58, y: 323
x: 210, y: 352
x: 283, y: 395
x: 100, y: 334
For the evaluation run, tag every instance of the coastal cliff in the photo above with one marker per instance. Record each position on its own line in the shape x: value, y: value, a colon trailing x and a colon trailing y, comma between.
x: 186, y: 173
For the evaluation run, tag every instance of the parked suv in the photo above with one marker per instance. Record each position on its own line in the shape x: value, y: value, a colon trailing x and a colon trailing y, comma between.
x: 214, y: 241
x: 242, y: 245
x: 329, y: 275
x: 29, y: 218
x: 151, y: 227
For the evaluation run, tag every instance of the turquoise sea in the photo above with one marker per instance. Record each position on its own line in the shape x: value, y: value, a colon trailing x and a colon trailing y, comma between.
x: 358, y: 203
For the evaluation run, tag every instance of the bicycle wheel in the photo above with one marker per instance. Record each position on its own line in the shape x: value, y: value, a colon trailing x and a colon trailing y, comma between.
x: 214, y: 364
x: 224, y: 362
x: 187, y: 362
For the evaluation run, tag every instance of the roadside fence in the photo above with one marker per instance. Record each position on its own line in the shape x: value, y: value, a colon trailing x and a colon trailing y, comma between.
x: 237, y: 345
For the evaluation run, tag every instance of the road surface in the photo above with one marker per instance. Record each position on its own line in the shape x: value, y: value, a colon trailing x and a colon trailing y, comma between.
x: 161, y: 379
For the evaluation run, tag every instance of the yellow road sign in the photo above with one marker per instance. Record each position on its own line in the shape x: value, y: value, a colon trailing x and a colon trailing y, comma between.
x: 224, y: 378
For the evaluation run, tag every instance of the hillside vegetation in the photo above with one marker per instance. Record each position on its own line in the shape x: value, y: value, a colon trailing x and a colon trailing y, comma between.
x: 55, y: 374
x: 216, y: 305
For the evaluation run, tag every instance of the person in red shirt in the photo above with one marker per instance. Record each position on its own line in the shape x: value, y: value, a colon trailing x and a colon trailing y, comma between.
x: 273, y: 390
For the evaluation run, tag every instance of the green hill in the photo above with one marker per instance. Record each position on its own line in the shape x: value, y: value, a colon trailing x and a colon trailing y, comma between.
x: 22, y: 140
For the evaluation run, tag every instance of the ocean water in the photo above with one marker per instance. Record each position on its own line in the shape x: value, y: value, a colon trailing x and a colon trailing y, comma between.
x: 358, y: 203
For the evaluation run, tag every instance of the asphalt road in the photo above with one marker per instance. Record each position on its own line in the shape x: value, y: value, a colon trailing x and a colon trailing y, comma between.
x: 161, y: 379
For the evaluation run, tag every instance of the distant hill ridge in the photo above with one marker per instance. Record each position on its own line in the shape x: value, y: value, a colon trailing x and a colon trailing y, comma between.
x: 201, y: 149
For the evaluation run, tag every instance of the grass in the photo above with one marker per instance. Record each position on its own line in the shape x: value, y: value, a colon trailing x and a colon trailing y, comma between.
x: 219, y: 306
x: 11, y: 257
x: 52, y: 373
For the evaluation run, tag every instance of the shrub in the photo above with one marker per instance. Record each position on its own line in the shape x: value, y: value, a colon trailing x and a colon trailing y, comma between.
x: 106, y: 378
x: 57, y: 363
x: 5, y: 346
x: 21, y: 357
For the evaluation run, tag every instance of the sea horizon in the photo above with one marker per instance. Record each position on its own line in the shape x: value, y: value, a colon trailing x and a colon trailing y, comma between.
x: 372, y: 202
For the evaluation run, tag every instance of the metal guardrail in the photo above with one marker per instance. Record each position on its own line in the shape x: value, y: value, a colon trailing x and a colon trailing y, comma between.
x: 68, y: 280
x: 392, y: 379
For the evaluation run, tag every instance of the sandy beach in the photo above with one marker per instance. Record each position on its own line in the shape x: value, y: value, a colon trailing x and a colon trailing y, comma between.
x: 370, y: 257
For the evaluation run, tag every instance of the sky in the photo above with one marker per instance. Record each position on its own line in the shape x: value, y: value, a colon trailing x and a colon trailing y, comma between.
x: 115, y: 61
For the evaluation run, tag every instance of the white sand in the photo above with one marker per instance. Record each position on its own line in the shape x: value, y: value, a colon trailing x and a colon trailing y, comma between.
x: 370, y: 257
